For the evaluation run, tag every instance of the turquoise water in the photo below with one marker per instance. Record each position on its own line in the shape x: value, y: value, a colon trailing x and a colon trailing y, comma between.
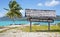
x: 7, y: 23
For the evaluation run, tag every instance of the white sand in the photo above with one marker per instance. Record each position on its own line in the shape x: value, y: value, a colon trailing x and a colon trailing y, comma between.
x: 19, y: 33
x: 29, y: 34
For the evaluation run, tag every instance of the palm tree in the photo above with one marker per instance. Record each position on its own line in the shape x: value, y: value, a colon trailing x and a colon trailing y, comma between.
x: 14, y: 10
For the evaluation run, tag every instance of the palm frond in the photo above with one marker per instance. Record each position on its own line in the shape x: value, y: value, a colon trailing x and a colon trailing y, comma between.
x: 14, y: 10
x: 6, y: 9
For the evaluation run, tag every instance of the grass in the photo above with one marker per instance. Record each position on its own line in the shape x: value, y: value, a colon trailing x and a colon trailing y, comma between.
x: 8, y: 29
x: 35, y: 28
x: 4, y: 30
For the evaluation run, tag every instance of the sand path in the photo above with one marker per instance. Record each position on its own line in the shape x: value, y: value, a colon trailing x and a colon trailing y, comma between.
x: 19, y: 33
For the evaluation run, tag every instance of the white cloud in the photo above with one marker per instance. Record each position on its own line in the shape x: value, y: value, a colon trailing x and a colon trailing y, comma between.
x: 2, y: 14
x: 40, y: 4
x: 50, y: 3
x: 21, y: 10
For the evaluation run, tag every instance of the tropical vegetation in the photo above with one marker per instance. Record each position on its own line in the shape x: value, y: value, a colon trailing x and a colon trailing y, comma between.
x: 58, y: 24
x: 14, y: 10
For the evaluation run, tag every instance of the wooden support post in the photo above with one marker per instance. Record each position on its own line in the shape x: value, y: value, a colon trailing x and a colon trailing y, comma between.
x: 49, y: 26
x: 30, y: 26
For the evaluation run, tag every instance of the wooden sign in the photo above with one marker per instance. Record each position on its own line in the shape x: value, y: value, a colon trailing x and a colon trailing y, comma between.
x: 40, y: 13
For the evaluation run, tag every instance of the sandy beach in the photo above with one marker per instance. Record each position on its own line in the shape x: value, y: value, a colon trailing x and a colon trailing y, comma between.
x: 14, y: 33
x: 20, y: 33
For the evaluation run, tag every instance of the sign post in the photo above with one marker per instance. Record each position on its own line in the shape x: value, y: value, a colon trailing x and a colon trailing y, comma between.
x: 40, y: 16
x: 49, y: 26
x: 30, y: 26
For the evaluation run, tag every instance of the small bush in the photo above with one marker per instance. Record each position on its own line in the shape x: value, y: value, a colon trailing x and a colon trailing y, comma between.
x: 35, y: 24
x: 58, y: 24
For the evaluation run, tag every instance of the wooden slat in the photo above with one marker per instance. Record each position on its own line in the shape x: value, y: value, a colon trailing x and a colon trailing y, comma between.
x: 40, y: 13
x: 38, y: 20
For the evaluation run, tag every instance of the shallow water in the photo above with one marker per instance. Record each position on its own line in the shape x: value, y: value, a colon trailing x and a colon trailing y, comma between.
x: 7, y: 23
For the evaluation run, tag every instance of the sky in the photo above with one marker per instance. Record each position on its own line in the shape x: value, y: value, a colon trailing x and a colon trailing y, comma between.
x: 32, y: 4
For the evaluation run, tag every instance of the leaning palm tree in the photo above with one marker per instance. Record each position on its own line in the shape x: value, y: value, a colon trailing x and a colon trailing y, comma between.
x: 14, y: 10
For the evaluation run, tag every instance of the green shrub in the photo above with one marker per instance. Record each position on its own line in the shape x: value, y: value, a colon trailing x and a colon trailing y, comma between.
x: 58, y: 24
x: 36, y: 24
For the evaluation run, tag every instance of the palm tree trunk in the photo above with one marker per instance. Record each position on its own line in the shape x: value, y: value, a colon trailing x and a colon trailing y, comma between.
x: 13, y: 21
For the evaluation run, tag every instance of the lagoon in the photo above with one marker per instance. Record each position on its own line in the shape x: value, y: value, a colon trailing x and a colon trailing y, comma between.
x: 7, y: 23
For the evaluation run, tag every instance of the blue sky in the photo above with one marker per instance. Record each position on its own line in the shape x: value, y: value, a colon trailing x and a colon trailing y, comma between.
x: 32, y: 4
